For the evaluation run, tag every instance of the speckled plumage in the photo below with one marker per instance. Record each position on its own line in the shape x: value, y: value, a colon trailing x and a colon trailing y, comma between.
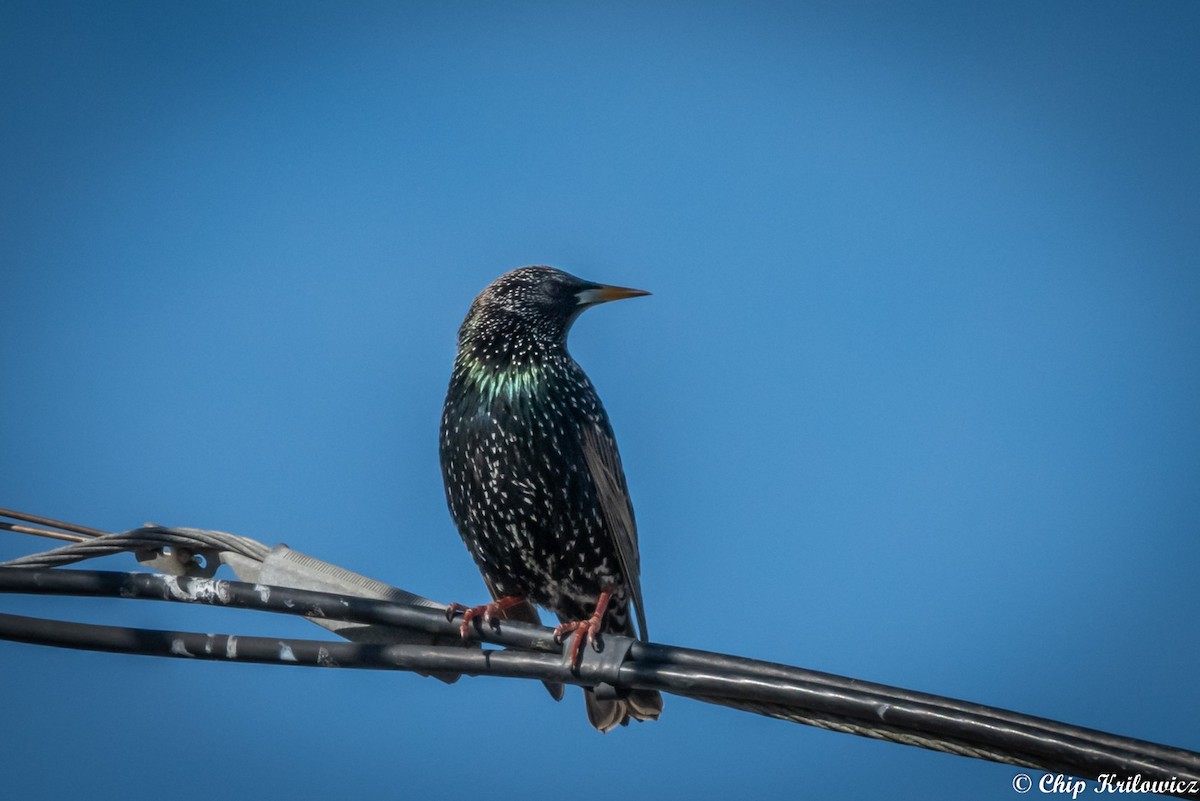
x: 531, y: 469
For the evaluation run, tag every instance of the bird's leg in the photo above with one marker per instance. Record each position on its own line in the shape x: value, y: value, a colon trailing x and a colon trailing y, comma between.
x: 589, y: 628
x: 487, y: 611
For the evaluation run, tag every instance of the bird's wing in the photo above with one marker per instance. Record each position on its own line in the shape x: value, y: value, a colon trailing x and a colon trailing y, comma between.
x: 604, y: 463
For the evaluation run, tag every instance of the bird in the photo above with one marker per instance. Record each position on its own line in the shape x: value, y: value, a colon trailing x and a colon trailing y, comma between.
x: 533, y: 477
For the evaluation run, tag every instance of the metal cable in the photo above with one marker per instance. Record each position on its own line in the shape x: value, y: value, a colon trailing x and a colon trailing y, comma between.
x: 886, y: 694
x: 775, y: 690
x: 277, y: 651
x: 147, y: 538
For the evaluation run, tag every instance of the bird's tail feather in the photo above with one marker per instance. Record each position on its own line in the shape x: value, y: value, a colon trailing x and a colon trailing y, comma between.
x: 606, y: 714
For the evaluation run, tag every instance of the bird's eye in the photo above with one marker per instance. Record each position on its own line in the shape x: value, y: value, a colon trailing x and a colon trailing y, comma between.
x: 556, y: 290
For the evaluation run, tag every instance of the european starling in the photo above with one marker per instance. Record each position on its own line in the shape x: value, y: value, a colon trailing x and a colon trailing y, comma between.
x: 532, y: 474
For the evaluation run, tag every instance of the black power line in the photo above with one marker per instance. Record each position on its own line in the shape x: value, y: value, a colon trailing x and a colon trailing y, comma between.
x: 433, y: 646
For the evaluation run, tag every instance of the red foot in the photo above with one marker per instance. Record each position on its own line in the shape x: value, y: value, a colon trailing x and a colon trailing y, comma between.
x: 487, y: 611
x: 589, y: 628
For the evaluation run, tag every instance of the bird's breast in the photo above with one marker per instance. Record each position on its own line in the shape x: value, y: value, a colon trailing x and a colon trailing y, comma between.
x: 518, y: 483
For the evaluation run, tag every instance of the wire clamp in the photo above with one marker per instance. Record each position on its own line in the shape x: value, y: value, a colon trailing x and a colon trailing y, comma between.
x: 600, y: 667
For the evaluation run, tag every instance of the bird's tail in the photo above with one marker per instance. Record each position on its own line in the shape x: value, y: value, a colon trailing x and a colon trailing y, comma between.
x: 608, y: 713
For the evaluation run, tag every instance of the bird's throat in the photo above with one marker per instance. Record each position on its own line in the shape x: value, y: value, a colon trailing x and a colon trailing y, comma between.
x: 490, y: 382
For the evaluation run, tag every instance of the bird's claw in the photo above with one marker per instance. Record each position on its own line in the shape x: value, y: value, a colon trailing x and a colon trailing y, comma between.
x: 489, y: 612
x: 588, y: 630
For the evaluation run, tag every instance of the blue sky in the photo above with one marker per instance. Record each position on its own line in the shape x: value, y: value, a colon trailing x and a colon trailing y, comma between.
x: 914, y: 400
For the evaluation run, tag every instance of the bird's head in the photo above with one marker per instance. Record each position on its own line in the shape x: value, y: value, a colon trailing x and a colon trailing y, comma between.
x: 533, y: 306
